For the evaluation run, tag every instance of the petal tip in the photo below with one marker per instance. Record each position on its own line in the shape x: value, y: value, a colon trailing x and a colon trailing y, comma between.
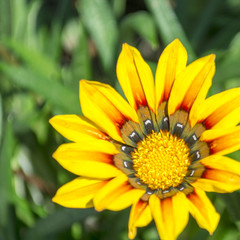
x: 176, y: 41
x: 51, y: 120
x: 132, y: 233
x: 54, y: 199
x: 83, y: 83
x: 125, y: 45
x: 212, y: 56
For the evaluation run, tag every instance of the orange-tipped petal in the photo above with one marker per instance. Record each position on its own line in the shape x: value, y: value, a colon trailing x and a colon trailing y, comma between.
x: 103, y: 105
x: 216, y: 108
x: 171, y: 62
x: 135, y: 78
x: 170, y: 215
x: 222, y: 141
x: 180, y: 213
x: 156, y: 209
x: 78, y: 193
x: 189, y: 82
x: 203, y: 211
x: 222, y: 163
x: 126, y: 199
x: 89, y: 159
x: 218, y: 181
x: 76, y: 128
x: 222, y: 175
x: 111, y: 191
x: 229, y: 120
x: 140, y: 216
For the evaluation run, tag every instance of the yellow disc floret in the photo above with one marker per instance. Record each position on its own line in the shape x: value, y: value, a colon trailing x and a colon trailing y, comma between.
x: 161, y: 160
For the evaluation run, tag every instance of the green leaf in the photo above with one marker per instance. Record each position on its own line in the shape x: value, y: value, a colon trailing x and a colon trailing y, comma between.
x: 168, y: 24
x: 81, y: 63
x: 53, y: 40
x: 19, y: 23
x: 34, y: 59
x: 142, y: 23
x: 6, y: 178
x: 204, y: 22
x: 57, y: 223
x: 119, y: 7
x: 5, y: 16
x: 62, y: 98
x: 98, y: 18
x: 232, y: 202
x: 1, y: 120
x: 228, y: 65
x: 23, y: 211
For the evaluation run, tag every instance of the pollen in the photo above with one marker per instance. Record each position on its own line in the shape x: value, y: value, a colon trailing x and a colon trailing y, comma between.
x: 161, y: 160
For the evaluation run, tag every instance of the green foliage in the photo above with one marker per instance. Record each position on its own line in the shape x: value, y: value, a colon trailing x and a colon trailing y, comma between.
x: 46, y: 47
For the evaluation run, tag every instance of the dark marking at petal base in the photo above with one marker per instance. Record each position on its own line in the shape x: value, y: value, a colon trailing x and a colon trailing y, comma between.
x: 178, y: 129
x: 185, y: 187
x: 134, y: 137
x: 149, y: 191
x: 195, y: 156
x: 138, y: 181
x: 127, y: 164
x: 127, y: 149
x: 191, y: 173
x: 131, y: 176
x: 191, y: 140
x: 165, y: 123
x: 166, y: 191
x: 181, y: 187
x: 148, y: 124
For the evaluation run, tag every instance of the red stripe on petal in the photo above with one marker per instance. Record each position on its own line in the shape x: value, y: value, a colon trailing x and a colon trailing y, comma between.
x: 221, y: 112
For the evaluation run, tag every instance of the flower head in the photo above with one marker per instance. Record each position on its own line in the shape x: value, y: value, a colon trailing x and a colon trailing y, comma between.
x: 160, y: 151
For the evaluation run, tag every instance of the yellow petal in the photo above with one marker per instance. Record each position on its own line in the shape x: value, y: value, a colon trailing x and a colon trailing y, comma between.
x: 228, y: 121
x: 111, y: 191
x: 156, y: 209
x: 135, y: 78
x: 175, y: 218
x: 209, y: 185
x: 222, y: 141
x: 217, y: 107
x: 89, y: 159
x: 212, y: 134
x: 168, y: 219
x: 104, y: 106
x: 171, y: 62
x: 76, y: 128
x: 140, y: 216
x: 126, y: 199
x: 78, y: 193
x: 222, y: 163
x: 201, y: 96
x: 145, y: 218
x: 180, y: 213
x: 222, y: 175
x: 203, y: 211
x: 189, y: 83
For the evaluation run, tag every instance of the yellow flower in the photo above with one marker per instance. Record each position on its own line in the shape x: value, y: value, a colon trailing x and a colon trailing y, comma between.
x: 158, y: 153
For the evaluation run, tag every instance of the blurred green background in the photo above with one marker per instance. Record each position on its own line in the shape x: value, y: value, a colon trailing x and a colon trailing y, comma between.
x: 46, y: 47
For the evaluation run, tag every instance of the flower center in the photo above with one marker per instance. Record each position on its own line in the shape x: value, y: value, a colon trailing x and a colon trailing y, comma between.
x: 161, y: 160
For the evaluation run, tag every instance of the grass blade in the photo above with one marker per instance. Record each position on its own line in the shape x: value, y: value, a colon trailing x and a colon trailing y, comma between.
x: 168, y: 24
x: 63, y: 98
x: 56, y: 223
x: 98, y: 18
x: 6, y: 187
x: 142, y: 23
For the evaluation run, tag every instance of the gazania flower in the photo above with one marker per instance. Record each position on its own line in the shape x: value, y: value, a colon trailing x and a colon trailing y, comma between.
x: 160, y: 151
